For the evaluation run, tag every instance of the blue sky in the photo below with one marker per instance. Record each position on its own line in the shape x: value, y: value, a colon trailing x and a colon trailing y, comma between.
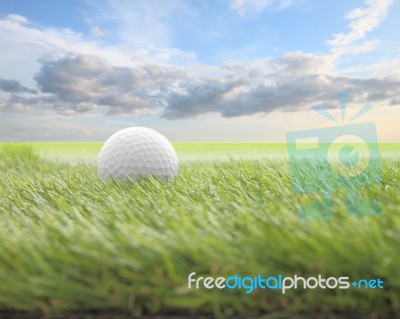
x: 223, y: 70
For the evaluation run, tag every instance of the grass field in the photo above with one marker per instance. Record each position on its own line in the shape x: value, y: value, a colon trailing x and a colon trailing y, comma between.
x: 70, y: 243
x: 87, y: 152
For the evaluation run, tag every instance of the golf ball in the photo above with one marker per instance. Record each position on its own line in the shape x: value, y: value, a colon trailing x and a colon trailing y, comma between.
x: 137, y: 152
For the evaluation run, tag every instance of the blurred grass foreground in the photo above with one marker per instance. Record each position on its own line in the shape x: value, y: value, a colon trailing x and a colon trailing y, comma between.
x: 71, y: 243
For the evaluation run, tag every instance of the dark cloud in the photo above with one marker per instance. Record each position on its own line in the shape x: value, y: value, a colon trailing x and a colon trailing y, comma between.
x: 293, y: 82
x: 285, y: 93
x: 201, y: 96
x: 79, y: 84
x: 395, y: 101
x: 13, y: 86
x: 20, y: 104
x: 87, y: 79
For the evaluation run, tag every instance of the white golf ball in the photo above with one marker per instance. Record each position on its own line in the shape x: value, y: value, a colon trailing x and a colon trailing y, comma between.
x: 137, y: 152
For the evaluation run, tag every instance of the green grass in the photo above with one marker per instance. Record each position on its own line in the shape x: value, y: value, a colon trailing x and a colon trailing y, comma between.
x: 70, y: 243
x: 87, y: 152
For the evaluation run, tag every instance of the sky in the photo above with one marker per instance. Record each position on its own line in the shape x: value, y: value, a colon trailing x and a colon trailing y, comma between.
x: 196, y: 70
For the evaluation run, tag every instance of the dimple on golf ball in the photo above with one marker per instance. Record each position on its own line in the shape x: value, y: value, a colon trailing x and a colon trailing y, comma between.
x: 137, y: 152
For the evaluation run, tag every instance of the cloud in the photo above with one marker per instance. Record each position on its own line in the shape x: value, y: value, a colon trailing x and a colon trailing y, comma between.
x: 17, y: 19
x: 38, y: 103
x: 77, y: 84
x: 86, y: 83
x: 13, y: 86
x: 24, y: 44
x: 141, y: 24
x: 148, y: 27
x: 363, y: 20
x: 244, y: 7
x: 77, y: 76
x: 297, y: 81
x: 29, y: 40
x: 367, y: 46
x: 94, y: 29
x: 395, y: 101
x: 285, y: 94
x: 97, y: 32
